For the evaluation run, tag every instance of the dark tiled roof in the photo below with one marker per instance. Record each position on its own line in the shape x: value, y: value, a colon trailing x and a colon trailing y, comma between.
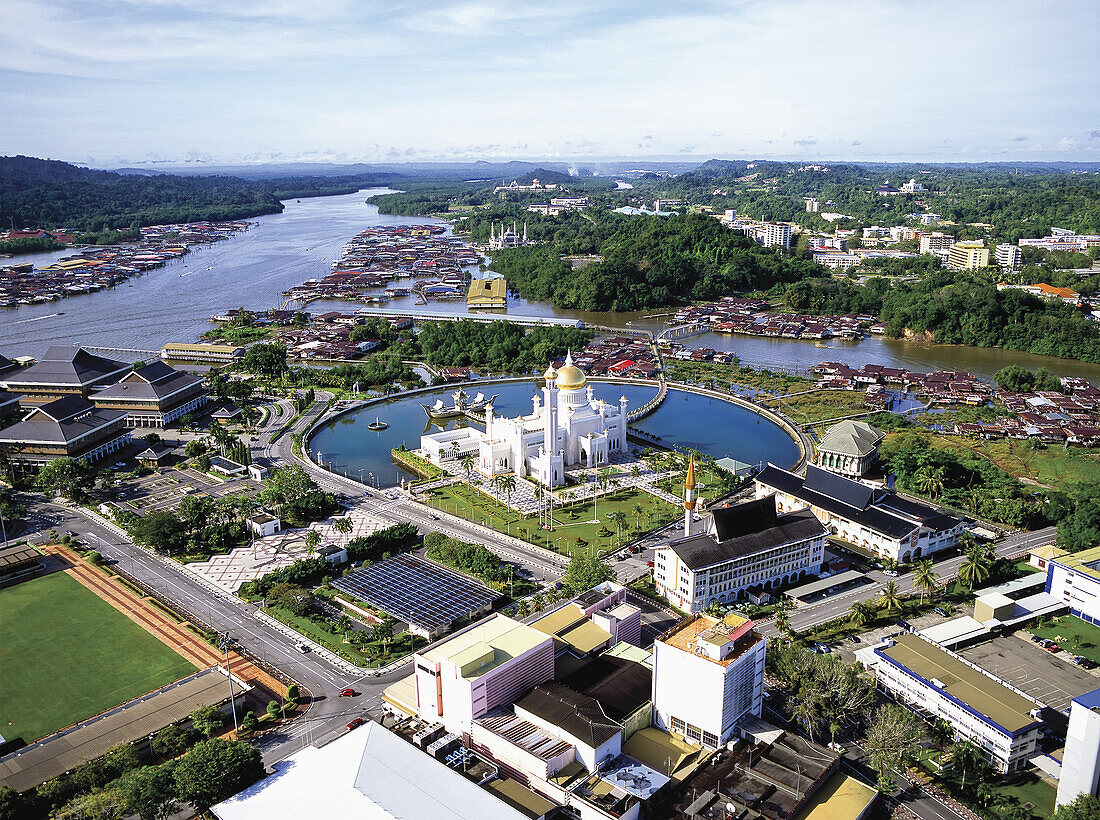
x: 579, y: 715
x: 705, y: 550
x: 153, y: 381
x: 65, y: 364
x: 620, y: 686
x: 880, y: 510
x: 60, y: 422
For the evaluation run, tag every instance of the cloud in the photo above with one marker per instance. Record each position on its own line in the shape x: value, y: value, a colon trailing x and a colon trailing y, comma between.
x: 808, y: 141
x: 856, y: 142
x: 1094, y: 135
x: 1019, y: 139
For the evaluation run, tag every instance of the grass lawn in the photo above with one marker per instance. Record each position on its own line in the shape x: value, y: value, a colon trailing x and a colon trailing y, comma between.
x: 68, y: 655
x: 1052, y: 466
x: 713, y: 374
x: 377, y: 654
x: 1065, y: 629
x: 572, y: 521
x: 1030, y: 789
x: 825, y: 404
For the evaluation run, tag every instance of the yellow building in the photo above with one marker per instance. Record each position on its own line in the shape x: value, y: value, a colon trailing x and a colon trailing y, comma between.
x: 487, y: 293
x: 968, y: 256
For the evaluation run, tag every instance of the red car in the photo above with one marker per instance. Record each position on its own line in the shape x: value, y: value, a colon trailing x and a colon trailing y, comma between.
x: 649, y: 563
x: 355, y: 724
x: 347, y: 693
x: 1054, y: 647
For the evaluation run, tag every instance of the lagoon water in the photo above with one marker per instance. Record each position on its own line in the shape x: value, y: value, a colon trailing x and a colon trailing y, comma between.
x: 708, y: 425
x: 282, y: 250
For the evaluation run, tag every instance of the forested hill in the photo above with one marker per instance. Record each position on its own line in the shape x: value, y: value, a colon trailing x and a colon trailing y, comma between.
x: 38, y: 193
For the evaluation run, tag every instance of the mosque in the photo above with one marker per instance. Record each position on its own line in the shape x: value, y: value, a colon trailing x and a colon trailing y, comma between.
x: 568, y: 428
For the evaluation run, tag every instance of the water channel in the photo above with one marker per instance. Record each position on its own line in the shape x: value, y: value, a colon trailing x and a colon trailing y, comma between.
x: 708, y: 425
x: 174, y: 303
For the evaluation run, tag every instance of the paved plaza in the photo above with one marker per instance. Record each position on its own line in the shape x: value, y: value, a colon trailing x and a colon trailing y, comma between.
x: 247, y: 563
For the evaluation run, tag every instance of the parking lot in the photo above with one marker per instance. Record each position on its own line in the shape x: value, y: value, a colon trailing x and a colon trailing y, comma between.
x: 163, y: 490
x: 1032, y: 669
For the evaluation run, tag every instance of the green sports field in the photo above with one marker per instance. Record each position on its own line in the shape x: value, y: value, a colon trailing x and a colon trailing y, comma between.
x: 65, y: 655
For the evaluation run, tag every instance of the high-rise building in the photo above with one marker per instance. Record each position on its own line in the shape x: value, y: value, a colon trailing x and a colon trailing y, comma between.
x: 1008, y: 256
x: 968, y: 256
x: 776, y: 235
x: 935, y: 241
x: 1081, y: 759
x: 707, y: 676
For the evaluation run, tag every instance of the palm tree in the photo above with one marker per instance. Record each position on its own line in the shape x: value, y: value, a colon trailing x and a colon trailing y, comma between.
x: 638, y: 515
x: 890, y: 600
x: 930, y: 481
x: 617, y: 517
x: 782, y: 621
x: 313, y: 538
x: 967, y: 758
x: 976, y: 567
x: 925, y: 578
x: 467, y: 464
x: 342, y: 525
x: 508, y: 485
x: 861, y: 612
x: 635, y: 471
x: 455, y: 449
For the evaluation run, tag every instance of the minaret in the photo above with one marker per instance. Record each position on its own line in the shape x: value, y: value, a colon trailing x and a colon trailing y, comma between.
x: 550, y: 412
x: 524, y: 233
x: 689, y: 496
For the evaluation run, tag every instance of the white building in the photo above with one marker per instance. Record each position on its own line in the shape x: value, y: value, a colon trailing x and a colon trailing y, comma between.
x: 708, y: 675
x: 775, y: 235
x: 876, y: 520
x: 567, y: 428
x: 1008, y: 256
x: 1081, y: 759
x: 935, y: 241
x: 747, y: 547
x: 487, y: 665
x: 1001, y: 721
x: 263, y: 524
x: 837, y: 261
x: 849, y: 448
x: 368, y: 774
x: 1074, y: 578
x: 912, y: 187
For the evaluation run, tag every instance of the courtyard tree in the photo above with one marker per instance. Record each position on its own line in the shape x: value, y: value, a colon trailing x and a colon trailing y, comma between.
x: 217, y: 769
x: 266, y: 359
x: 343, y: 526
x: 162, y: 530
x: 468, y: 463
x: 892, y: 738
x: 313, y: 538
x: 207, y: 720
x: 1085, y: 807
x: 585, y: 572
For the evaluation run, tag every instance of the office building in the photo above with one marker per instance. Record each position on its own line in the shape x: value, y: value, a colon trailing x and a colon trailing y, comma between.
x: 202, y: 353
x: 1081, y: 759
x: 64, y: 371
x: 1008, y: 256
x: 849, y: 448
x: 775, y: 235
x: 1001, y: 721
x: 65, y: 428
x: 746, y: 548
x: 837, y: 261
x: 1074, y: 579
x: 877, y: 520
x: 154, y: 395
x: 968, y: 256
x: 489, y: 664
x: 708, y: 675
x: 487, y: 293
x: 935, y: 242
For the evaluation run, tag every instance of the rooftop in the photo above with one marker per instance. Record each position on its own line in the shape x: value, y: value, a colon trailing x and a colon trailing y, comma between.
x: 577, y: 714
x: 981, y: 693
x: 686, y: 635
x: 854, y: 438
x: 486, y: 646
x: 1087, y: 562
x: 619, y: 685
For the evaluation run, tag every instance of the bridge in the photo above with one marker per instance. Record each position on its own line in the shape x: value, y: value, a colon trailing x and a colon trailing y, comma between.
x: 683, y: 331
x: 650, y: 405
x: 125, y: 351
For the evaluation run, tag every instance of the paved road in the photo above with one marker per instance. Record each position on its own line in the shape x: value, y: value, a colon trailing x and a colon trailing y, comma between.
x: 837, y: 605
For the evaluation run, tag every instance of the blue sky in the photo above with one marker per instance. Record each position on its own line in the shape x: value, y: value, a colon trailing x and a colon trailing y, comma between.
x: 110, y: 82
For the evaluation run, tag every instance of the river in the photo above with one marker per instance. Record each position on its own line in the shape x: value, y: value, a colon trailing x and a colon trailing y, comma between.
x: 283, y: 250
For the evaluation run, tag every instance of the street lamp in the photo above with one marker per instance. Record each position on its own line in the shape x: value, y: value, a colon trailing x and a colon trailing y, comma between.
x: 224, y: 644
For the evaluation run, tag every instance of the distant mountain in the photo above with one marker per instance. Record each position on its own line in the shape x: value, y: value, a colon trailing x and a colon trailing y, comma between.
x: 19, y: 173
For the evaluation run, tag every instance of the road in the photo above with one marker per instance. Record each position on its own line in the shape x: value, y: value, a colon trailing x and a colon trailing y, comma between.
x: 837, y: 605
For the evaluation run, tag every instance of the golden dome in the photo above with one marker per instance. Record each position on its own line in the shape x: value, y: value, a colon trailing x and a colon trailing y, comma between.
x: 571, y: 377
x: 550, y: 374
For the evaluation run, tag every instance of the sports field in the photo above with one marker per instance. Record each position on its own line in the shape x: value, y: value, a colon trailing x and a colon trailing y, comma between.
x: 66, y: 655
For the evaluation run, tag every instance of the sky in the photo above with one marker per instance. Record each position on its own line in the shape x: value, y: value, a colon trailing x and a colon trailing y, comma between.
x: 112, y: 82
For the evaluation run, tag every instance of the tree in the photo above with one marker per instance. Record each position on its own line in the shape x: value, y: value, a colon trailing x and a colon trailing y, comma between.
x: 892, y: 738
x: 313, y: 538
x: 976, y: 567
x: 861, y: 612
x: 585, y: 572
x: 273, y: 709
x: 925, y: 579
x: 149, y: 792
x: 69, y: 477
x: 342, y: 525
x: 1085, y: 807
x: 508, y: 485
x: 266, y: 359
x: 249, y: 723
x: 468, y: 463
x: 102, y: 804
x: 207, y: 720
x: 171, y: 741
x: 890, y: 600
x: 216, y: 769
x: 382, y: 631
x: 161, y: 530
x: 968, y: 760
x: 782, y: 619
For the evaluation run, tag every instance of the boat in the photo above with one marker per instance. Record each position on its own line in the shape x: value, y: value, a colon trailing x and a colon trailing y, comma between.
x: 377, y: 424
x: 462, y: 406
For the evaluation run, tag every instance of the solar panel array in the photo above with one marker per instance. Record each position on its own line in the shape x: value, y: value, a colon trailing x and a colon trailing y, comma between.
x: 417, y: 591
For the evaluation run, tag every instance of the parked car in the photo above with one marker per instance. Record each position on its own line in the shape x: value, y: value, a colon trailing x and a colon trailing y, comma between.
x: 941, y: 611
x: 1036, y: 639
x: 1052, y: 648
x: 355, y: 724
x: 890, y: 573
x: 903, y: 624
x: 303, y: 648
x: 347, y: 693
x: 649, y: 563
x: 1088, y: 663
x: 822, y: 648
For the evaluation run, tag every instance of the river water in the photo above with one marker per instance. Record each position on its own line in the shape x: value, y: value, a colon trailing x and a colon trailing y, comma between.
x: 282, y: 250
x: 701, y: 423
